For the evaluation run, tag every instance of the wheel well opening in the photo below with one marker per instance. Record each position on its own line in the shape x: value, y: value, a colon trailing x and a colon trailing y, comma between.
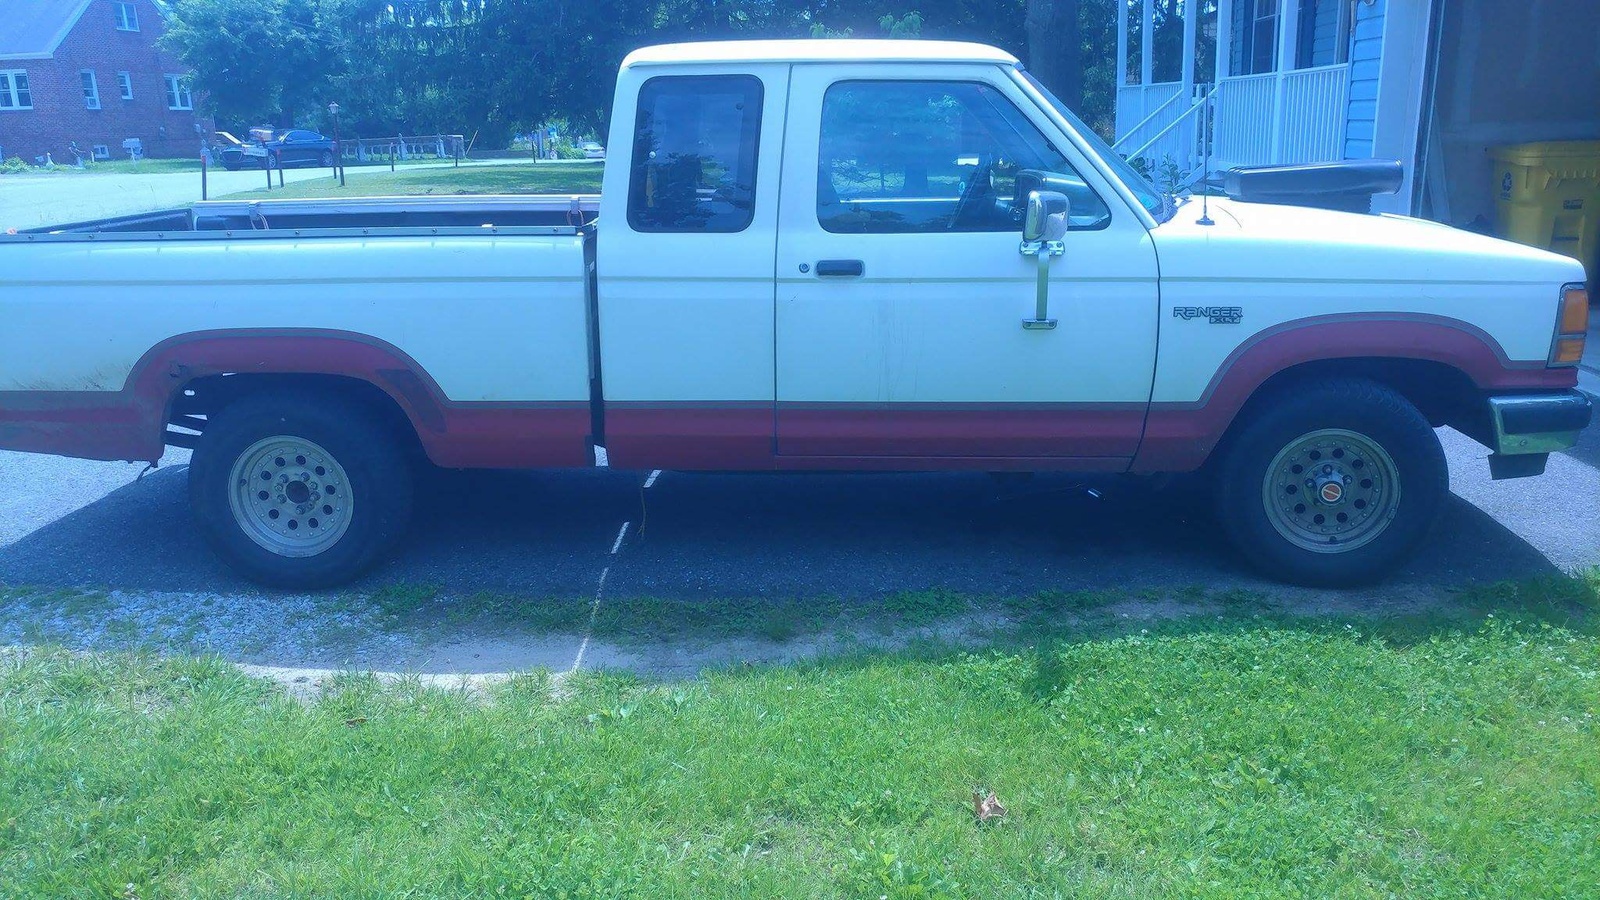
x: 201, y: 398
x: 1441, y: 392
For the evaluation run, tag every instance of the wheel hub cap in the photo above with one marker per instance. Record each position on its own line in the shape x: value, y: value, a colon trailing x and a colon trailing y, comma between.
x: 290, y: 496
x: 1331, y: 491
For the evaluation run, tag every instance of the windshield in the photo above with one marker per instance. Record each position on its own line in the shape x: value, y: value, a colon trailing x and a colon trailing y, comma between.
x: 1143, y: 191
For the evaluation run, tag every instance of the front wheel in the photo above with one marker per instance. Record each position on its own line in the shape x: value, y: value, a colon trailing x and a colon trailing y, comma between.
x: 296, y: 491
x: 1331, y: 484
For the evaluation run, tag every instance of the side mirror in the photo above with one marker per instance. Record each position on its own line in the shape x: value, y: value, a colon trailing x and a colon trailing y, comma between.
x: 1044, y: 224
x: 1046, y: 217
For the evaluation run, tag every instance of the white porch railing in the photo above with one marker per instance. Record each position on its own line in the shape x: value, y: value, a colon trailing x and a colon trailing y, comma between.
x: 1144, y: 111
x: 1281, y: 117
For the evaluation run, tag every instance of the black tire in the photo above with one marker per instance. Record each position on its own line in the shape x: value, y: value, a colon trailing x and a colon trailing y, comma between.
x: 1282, y: 422
x: 232, y: 163
x: 326, y: 159
x: 378, y: 493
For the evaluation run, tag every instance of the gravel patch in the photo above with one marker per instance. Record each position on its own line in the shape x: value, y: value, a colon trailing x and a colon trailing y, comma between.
x: 334, y: 631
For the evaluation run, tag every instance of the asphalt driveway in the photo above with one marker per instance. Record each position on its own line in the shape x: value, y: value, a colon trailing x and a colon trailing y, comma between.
x: 585, y: 541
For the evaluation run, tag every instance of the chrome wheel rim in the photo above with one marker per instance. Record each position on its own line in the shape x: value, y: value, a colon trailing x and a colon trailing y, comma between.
x: 290, y: 496
x: 1331, y: 491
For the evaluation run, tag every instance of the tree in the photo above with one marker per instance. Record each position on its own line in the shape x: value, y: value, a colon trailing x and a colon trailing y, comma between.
x: 253, y: 60
x: 1055, y: 47
x: 492, y: 66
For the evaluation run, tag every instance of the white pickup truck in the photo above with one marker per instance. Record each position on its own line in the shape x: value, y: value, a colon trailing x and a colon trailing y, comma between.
x: 843, y: 255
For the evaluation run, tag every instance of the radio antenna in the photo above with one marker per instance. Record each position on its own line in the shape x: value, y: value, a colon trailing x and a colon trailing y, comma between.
x: 1205, y: 164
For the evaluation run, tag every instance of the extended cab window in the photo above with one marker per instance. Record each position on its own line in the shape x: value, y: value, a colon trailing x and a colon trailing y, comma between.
x: 694, y: 154
x: 918, y: 156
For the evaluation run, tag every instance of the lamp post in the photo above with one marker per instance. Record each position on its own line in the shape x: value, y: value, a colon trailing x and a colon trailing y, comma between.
x: 338, y: 151
x: 205, y: 157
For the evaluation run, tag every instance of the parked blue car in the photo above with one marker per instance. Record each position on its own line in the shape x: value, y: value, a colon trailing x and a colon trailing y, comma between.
x: 268, y: 146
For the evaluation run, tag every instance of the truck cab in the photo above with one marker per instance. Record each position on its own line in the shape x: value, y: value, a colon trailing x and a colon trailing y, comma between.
x: 857, y: 296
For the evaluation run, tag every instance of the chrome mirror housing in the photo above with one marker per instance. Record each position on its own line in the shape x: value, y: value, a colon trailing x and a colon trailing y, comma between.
x: 1046, y: 217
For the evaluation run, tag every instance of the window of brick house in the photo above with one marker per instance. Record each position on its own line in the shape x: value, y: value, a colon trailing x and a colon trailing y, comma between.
x: 91, y: 89
x: 125, y: 85
x: 127, y: 16
x: 14, y: 92
x: 178, y: 93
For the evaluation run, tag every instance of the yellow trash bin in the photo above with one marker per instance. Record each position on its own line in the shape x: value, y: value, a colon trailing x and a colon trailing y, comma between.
x: 1549, y: 196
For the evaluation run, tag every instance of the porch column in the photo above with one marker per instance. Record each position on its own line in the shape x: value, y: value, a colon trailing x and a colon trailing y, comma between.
x: 1224, y: 54
x: 1121, y: 77
x: 1196, y: 133
x: 1189, y: 10
x: 1288, y: 34
x: 1222, y: 69
x: 1288, y: 41
x: 1146, y: 45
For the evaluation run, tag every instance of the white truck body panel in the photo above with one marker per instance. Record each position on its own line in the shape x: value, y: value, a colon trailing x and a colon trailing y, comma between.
x: 491, y: 318
x: 690, y: 313
x: 937, y: 317
x: 1282, y: 264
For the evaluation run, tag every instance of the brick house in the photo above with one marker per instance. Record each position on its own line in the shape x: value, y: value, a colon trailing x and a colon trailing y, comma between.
x: 89, y: 72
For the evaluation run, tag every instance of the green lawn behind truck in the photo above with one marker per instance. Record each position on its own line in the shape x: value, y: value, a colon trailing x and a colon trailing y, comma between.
x: 510, y: 178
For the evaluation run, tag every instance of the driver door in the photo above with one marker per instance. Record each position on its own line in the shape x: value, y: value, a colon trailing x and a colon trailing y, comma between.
x: 901, y: 291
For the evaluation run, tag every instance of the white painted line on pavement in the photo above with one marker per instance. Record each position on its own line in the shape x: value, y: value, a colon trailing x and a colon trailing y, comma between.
x: 594, y: 613
x: 652, y: 479
x: 599, y: 595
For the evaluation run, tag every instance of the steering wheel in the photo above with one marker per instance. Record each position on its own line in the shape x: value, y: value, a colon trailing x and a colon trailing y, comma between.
x: 976, y: 186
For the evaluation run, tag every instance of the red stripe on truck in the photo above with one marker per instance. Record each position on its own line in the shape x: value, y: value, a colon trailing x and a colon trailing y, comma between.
x: 129, y: 423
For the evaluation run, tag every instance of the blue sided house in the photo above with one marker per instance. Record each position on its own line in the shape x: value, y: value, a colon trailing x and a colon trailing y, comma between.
x: 1205, y: 85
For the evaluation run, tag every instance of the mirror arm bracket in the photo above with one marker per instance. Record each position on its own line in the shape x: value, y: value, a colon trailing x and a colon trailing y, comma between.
x: 1043, y: 251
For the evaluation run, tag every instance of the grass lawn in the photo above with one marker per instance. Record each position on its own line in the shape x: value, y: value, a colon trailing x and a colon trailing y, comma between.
x: 518, y: 178
x: 1230, y: 756
x: 119, y: 167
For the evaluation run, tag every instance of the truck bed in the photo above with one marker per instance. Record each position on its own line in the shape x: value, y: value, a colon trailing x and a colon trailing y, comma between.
x: 471, y: 211
x: 472, y: 313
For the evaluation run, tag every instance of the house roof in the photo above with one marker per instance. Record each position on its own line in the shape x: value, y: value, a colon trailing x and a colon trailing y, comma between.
x: 34, y: 28
x: 824, y: 50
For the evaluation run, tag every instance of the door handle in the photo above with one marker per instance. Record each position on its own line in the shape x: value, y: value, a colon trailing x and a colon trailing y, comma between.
x: 840, y: 268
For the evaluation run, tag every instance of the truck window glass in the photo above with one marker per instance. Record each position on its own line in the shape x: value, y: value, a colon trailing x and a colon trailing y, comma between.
x: 1157, y: 203
x: 918, y: 156
x: 694, y: 154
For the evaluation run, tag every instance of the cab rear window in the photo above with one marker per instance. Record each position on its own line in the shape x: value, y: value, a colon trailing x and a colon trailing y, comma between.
x: 694, y: 154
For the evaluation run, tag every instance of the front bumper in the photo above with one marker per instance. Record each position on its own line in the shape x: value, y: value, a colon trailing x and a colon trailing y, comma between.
x: 1526, y: 428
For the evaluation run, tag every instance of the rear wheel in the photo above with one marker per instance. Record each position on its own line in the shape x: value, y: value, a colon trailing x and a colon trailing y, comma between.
x: 1332, y: 483
x: 297, y: 491
x: 327, y: 159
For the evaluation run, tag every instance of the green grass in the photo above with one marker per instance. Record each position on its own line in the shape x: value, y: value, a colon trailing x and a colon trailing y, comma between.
x: 1229, y: 756
x: 519, y: 178
x: 118, y: 167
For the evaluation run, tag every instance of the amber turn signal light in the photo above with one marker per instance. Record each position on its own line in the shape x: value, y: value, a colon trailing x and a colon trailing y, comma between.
x: 1574, y: 311
x: 1569, y: 351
